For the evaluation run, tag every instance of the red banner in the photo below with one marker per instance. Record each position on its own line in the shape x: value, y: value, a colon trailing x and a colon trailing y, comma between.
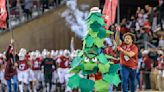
x: 109, y: 12
x: 3, y: 14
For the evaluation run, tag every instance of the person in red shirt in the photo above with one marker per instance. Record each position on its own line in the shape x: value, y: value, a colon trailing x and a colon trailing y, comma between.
x: 147, y: 63
x: 36, y: 74
x: 23, y: 70
x: 63, y: 67
x: 10, y: 73
x: 129, y: 61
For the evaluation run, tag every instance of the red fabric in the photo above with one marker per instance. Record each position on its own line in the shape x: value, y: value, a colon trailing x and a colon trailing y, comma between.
x: 98, y: 76
x: 147, y: 30
x: 64, y: 62
x: 27, y: 57
x: 133, y: 61
x: 10, y: 71
x: 36, y: 64
x: 3, y: 14
x: 147, y: 62
x: 147, y: 26
x: 109, y: 51
x: 124, y: 30
x: 23, y: 65
x: 108, y: 18
x: 118, y: 28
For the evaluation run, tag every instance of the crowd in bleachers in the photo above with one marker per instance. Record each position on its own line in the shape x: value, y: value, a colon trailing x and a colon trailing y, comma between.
x: 144, y: 24
x: 25, y: 10
x: 147, y: 25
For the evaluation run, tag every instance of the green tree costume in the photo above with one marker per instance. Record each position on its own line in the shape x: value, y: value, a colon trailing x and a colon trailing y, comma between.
x: 91, y: 60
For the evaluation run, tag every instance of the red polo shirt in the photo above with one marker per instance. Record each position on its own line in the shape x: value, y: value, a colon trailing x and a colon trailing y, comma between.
x: 23, y: 65
x: 36, y: 64
x: 131, y: 62
x: 147, y: 61
x: 64, y: 62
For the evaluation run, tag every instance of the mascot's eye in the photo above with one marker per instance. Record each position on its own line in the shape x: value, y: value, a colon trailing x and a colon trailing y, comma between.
x: 94, y: 59
x: 86, y: 60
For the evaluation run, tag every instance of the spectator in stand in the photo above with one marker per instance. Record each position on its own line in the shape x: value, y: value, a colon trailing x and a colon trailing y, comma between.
x: 160, y: 60
x: 45, y: 5
x: 13, y: 3
x: 141, y: 37
x: 147, y: 69
x: 57, y: 2
x: 147, y: 10
x: 160, y: 68
x: 154, y: 39
x: 161, y: 13
x: 147, y: 29
x: 140, y: 61
x: 140, y: 18
x: 123, y: 28
x: 149, y: 13
x: 145, y: 16
x: 137, y: 26
x: 153, y: 56
x: 161, y: 41
x: 138, y: 11
x: 132, y: 23
x: 28, y: 4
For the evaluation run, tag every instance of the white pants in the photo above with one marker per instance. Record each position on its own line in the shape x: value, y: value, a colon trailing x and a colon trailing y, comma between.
x: 62, y: 73
x: 55, y: 76
x: 36, y: 75
x: 23, y: 76
x: 3, y: 81
x: 64, y: 76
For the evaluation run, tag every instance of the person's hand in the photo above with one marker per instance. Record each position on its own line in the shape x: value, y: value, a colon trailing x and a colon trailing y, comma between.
x: 119, y: 48
x: 15, y: 64
x: 118, y: 28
